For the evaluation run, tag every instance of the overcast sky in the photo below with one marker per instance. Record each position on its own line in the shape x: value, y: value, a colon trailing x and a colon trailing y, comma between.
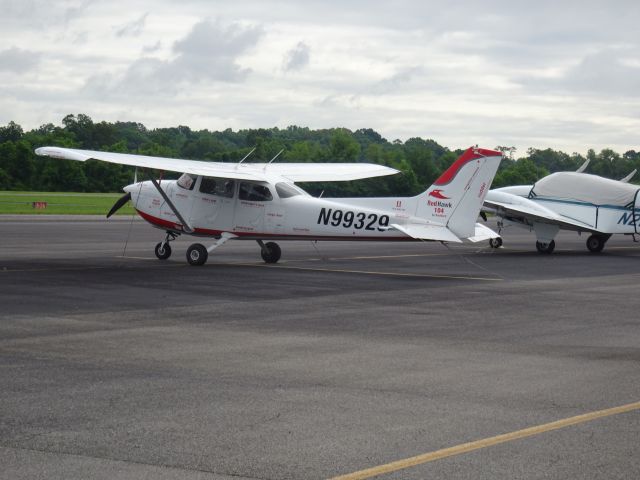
x: 564, y: 75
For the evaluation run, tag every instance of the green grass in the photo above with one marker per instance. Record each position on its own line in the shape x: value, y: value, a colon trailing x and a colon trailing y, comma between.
x: 61, y: 203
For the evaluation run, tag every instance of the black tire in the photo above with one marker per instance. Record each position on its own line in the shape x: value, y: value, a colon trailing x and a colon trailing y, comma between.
x: 495, y: 242
x: 271, y: 252
x: 546, y: 247
x: 197, y: 254
x: 163, y: 252
x: 595, y: 243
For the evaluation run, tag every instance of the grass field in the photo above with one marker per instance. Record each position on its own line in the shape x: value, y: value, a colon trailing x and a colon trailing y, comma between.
x: 61, y: 203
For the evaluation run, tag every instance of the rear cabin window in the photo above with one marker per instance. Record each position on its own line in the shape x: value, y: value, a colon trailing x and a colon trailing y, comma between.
x: 223, y: 187
x: 186, y: 181
x: 254, y: 192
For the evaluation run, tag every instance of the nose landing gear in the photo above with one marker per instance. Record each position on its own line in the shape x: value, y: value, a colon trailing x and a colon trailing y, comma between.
x: 163, y: 249
x: 495, y: 242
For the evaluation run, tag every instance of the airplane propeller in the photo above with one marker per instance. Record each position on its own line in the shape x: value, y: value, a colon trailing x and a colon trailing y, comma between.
x: 119, y: 203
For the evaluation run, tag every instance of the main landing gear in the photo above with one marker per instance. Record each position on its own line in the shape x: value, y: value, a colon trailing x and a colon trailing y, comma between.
x: 595, y: 243
x: 197, y: 254
x: 544, y: 247
x: 270, y: 251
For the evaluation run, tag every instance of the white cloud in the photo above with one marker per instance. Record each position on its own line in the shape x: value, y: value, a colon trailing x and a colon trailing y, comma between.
x: 17, y: 60
x: 133, y: 28
x: 297, y: 58
x: 556, y: 74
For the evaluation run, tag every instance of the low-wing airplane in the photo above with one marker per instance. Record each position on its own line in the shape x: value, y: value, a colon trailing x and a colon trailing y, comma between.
x: 569, y: 201
x: 258, y: 201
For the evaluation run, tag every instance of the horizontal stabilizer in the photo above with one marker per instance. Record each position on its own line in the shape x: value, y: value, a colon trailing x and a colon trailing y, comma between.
x: 438, y: 233
x: 482, y: 233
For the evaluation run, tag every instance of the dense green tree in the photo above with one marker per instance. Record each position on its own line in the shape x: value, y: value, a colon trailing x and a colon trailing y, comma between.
x: 420, y: 161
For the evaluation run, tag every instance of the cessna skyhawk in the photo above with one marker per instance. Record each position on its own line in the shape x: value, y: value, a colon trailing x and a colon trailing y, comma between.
x: 258, y: 201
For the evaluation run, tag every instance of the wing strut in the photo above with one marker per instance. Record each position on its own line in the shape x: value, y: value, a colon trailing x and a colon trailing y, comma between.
x: 185, y: 226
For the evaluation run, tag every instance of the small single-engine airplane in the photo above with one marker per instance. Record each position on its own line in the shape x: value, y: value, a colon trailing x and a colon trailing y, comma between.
x: 569, y: 201
x: 258, y: 201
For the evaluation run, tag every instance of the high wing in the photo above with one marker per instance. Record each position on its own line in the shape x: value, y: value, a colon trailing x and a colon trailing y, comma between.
x: 294, y: 172
x: 524, y: 210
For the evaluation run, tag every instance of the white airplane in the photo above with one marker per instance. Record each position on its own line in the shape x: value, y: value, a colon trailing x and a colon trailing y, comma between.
x: 569, y: 201
x: 258, y: 201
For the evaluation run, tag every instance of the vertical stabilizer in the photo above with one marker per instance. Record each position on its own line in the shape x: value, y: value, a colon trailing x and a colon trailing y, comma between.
x: 457, y: 195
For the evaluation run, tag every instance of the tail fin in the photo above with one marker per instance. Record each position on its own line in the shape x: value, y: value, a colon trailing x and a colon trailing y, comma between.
x: 456, y: 197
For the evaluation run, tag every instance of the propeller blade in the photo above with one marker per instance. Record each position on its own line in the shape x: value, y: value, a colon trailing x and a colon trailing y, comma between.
x: 118, y: 205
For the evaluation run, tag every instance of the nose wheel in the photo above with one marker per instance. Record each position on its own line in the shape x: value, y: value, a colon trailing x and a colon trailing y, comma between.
x: 163, y: 249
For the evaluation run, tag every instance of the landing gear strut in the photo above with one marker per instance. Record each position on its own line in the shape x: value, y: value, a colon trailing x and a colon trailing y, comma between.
x: 270, y: 251
x: 595, y: 243
x: 546, y: 247
x: 163, y: 249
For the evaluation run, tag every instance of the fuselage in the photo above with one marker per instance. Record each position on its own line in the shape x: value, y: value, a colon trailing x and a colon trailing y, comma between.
x: 260, y: 210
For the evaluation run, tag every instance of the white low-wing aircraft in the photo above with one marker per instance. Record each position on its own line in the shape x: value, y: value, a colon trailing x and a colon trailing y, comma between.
x: 258, y: 201
x: 569, y: 201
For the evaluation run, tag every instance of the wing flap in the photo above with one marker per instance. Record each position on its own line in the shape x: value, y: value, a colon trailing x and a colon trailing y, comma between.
x: 295, y: 172
x: 438, y: 233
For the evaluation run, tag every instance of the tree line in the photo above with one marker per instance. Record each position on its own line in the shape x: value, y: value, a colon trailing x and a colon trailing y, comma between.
x: 421, y: 161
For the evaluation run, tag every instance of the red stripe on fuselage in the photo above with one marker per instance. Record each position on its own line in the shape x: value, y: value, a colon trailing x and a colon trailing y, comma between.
x: 205, y: 232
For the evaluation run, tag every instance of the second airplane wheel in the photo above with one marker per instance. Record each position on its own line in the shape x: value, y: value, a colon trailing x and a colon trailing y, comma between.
x: 197, y: 254
x: 546, y: 247
x: 163, y: 252
x: 495, y: 242
x: 271, y: 252
x: 595, y: 243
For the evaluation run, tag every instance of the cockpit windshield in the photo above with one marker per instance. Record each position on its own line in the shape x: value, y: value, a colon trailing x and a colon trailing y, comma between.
x: 286, y: 190
x: 186, y: 181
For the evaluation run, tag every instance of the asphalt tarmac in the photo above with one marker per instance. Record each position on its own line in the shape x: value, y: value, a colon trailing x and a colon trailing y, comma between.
x: 344, y: 356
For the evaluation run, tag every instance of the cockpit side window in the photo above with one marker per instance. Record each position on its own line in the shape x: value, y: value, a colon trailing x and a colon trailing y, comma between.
x: 254, y: 192
x: 223, y: 187
x: 186, y: 181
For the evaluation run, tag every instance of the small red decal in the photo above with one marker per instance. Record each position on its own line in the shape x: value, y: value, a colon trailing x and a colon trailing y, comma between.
x: 437, y: 193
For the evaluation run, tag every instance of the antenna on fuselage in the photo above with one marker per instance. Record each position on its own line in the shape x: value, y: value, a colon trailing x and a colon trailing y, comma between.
x: 270, y: 161
x: 246, y: 156
x: 629, y: 177
x: 584, y: 166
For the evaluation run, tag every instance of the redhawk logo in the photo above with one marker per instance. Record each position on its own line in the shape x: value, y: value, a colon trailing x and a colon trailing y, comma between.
x: 437, y: 193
